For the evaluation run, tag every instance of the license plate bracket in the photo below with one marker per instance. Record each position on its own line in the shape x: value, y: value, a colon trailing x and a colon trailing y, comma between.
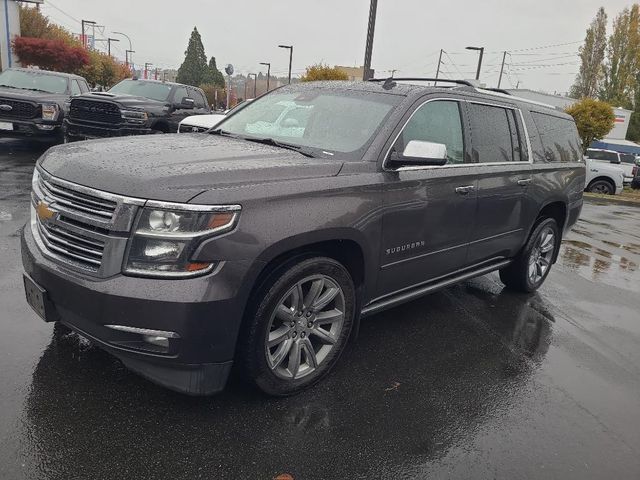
x: 38, y: 300
x: 6, y: 126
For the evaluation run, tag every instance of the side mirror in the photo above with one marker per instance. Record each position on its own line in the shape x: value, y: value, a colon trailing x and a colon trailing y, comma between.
x: 418, y: 152
x: 187, y: 103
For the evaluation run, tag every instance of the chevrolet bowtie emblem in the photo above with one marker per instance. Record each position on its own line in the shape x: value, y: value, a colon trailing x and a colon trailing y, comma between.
x: 44, y: 211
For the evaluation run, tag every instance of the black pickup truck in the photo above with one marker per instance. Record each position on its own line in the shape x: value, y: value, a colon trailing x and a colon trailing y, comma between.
x: 32, y: 102
x: 133, y: 107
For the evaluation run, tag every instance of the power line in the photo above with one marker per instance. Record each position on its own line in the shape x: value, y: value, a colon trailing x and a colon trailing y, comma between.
x: 62, y: 11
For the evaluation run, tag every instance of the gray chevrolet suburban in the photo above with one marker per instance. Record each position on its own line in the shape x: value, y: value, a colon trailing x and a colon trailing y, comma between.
x: 262, y: 243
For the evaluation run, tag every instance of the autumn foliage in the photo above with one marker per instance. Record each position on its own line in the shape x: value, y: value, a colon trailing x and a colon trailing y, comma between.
x: 320, y: 71
x: 49, y: 54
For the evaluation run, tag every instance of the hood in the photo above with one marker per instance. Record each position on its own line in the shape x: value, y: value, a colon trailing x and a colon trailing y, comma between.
x: 124, y: 100
x: 177, y: 167
x: 32, y: 96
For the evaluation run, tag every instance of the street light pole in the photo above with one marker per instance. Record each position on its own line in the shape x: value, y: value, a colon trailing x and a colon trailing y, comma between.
x: 481, y: 50
x: 290, y: 47
x: 84, y: 36
x: 369, y: 46
x: 255, y: 81
x: 268, y: 73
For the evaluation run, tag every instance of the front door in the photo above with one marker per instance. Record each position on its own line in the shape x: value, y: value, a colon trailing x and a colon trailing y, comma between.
x: 428, y: 210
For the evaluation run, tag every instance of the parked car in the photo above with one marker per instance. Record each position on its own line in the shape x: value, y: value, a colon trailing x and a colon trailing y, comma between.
x: 133, y: 107
x: 625, y: 161
x: 202, y: 123
x: 635, y: 183
x: 184, y: 254
x: 603, y: 178
x: 32, y: 101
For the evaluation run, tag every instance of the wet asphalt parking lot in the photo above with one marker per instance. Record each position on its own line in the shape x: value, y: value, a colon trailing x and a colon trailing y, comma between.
x: 471, y: 382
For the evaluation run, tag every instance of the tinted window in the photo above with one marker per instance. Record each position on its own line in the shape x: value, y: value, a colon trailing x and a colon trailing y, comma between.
x: 628, y: 158
x: 83, y: 86
x: 603, y: 155
x: 437, y: 122
x: 75, y: 88
x: 199, y: 100
x: 559, y: 138
x: 493, y: 132
x: 179, y: 94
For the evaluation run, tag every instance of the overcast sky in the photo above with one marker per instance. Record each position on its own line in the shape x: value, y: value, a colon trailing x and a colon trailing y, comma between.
x: 408, y: 36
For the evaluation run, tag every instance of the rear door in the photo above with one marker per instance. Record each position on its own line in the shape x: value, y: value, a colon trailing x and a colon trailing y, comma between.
x: 499, y: 148
x: 428, y: 210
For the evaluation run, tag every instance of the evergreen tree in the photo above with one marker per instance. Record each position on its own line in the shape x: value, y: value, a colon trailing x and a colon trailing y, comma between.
x: 214, y: 76
x: 592, y: 58
x: 194, y: 70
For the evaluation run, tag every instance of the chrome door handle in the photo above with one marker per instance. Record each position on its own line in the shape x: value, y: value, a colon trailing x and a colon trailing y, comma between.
x: 466, y: 189
x: 524, y: 182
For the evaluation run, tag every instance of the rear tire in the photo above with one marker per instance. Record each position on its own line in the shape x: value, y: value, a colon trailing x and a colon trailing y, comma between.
x: 603, y: 187
x: 530, y: 268
x: 298, y: 327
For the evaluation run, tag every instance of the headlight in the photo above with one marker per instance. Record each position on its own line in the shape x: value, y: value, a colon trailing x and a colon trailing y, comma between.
x: 165, y: 239
x: 134, y: 116
x: 50, y: 111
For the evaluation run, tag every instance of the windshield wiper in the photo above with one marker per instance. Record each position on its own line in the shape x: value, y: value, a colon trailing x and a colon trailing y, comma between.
x: 219, y: 131
x: 276, y: 143
x: 10, y: 86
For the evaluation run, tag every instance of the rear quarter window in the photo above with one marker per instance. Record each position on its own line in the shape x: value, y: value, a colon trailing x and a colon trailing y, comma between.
x: 559, y: 138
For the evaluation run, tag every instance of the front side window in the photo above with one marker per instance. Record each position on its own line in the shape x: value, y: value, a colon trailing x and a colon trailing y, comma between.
x: 437, y: 122
x: 327, y: 120
x: 33, y: 80
x: 179, y: 94
x: 153, y: 90
x: 494, y: 135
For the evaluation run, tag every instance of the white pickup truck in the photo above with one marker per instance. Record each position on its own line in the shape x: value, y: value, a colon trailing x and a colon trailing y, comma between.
x: 603, y: 177
x: 623, y: 161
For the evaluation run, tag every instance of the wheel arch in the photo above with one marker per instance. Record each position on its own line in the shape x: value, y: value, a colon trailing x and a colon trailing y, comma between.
x: 604, y: 178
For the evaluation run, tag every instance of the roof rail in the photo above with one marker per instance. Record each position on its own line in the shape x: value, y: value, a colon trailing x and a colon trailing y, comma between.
x: 498, y: 90
x: 422, y: 79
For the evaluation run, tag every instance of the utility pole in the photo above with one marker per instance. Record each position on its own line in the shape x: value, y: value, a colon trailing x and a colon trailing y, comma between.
x: 156, y: 75
x: 146, y: 69
x: 369, y: 46
x: 290, y: 47
x: 84, y: 36
x: 268, y: 73
x: 481, y: 50
x: 129, y: 57
x: 255, y: 81
x: 109, y: 40
x: 438, y: 70
x: 504, y: 57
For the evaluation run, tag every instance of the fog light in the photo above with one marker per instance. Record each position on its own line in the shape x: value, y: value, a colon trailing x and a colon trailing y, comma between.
x: 45, y: 127
x: 162, y: 342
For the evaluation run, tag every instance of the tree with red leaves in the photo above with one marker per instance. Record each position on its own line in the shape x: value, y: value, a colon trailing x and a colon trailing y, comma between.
x: 48, y: 54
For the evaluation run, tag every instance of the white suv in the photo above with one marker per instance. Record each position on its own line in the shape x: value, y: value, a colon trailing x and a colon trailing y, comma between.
x: 624, y: 161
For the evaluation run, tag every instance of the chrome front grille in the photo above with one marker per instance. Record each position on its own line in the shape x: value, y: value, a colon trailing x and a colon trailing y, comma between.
x: 75, y: 248
x: 76, y: 201
x: 81, y: 227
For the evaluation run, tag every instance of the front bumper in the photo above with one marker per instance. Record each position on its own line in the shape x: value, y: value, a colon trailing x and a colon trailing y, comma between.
x: 619, y: 189
x: 205, y: 312
x: 87, y: 131
x: 31, y: 128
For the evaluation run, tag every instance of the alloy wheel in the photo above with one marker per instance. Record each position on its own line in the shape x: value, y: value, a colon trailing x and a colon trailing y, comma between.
x: 305, y: 327
x: 541, y: 255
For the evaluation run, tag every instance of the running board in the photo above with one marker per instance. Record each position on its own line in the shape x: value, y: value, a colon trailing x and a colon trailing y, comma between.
x: 407, y: 296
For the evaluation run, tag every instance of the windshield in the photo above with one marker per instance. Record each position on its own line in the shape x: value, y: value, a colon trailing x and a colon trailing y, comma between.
x: 329, y: 120
x: 140, y: 88
x: 36, y: 80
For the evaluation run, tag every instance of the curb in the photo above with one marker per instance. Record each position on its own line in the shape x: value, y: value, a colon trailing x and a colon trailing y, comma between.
x: 591, y: 198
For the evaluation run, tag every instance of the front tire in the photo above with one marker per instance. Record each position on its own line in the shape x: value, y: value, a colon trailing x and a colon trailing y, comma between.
x: 530, y: 268
x: 299, y: 326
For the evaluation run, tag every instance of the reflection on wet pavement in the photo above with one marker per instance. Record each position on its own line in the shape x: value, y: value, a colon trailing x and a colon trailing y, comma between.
x: 598, y: 247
